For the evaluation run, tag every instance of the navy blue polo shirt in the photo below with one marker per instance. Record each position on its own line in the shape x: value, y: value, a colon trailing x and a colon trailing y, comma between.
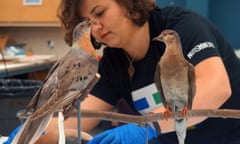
x: 200, y: 40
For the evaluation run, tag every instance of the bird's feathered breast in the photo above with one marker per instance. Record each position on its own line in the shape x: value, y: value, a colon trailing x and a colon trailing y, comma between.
x: 174, y: 76
x: 172, y: 80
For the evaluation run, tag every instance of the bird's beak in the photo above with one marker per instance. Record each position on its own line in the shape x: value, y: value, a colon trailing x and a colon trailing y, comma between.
x: 158, y: 38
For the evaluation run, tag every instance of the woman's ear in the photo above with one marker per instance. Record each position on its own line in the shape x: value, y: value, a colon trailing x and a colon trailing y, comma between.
x: 96, y: 44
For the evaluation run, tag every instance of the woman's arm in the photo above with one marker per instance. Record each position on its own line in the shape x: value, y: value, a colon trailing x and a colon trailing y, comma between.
x: 70, y: 124
x: 212, y: 90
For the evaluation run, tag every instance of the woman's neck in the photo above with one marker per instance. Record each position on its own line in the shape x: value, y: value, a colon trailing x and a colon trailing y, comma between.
x: 137, y: 46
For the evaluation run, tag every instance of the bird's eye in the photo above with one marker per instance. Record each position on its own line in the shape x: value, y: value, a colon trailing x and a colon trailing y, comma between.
x: 77, y: 65
x: 85, y: 77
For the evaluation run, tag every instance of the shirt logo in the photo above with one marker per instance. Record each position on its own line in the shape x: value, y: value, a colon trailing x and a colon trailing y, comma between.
x: 199, y: 48
x: 146, y: 99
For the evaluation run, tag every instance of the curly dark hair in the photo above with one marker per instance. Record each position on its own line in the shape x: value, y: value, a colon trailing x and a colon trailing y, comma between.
x: 68, y: 13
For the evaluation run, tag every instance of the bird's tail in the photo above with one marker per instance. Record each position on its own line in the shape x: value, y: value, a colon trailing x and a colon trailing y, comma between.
x: 32, y: 130
x: 180, y: 127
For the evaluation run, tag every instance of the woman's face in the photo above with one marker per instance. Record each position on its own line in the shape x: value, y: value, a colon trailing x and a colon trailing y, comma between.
x: 109, y: 23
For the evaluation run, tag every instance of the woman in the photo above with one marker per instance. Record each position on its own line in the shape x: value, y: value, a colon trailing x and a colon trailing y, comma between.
x: 127, y: 28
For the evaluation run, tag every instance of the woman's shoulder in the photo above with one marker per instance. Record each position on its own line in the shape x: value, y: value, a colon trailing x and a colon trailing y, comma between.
x: 171, y: 16
x: 171, y: 10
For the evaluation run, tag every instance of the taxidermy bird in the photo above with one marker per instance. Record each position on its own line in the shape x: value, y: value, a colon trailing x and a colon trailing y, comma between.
x: 64, y: 83
x: 175, y: 80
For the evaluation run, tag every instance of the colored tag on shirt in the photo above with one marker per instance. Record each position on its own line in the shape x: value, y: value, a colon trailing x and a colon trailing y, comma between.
x: 146, y: 99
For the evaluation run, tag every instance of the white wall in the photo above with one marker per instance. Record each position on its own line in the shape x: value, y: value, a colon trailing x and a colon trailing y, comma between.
x: 36, y: 38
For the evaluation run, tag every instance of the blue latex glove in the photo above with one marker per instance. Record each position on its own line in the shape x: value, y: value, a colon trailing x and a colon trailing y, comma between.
x: 12, y: 135
x: 126, y: 134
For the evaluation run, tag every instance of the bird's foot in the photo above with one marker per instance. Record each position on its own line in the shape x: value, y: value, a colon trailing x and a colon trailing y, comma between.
x: 167, y: 113
x: 184, y: 111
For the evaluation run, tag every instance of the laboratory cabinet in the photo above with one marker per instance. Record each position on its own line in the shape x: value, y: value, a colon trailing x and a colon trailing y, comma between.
x: 16, y: 13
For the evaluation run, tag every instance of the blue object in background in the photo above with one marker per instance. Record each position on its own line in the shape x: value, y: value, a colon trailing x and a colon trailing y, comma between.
x: 224, y: 14
x: 199, y: 6
x: 12, y: 135
x: 163, y: 3
x: 11, y: 51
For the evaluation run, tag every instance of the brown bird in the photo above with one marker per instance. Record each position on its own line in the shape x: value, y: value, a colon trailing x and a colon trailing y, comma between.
x: 65, y: 83
x: 175, y: 80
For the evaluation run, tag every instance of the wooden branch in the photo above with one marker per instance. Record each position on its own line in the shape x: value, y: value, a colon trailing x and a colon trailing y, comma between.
x: 140, y: 119
x: 143, y: 119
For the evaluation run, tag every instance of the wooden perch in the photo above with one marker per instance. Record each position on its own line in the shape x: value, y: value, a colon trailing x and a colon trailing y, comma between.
x: 140, y: 119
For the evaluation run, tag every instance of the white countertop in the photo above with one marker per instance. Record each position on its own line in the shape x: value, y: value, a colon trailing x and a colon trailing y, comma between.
x: 26, y: 62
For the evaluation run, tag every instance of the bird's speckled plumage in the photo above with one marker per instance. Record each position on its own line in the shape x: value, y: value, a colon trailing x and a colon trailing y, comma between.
x: 175, y: 79
x: 63, y: 85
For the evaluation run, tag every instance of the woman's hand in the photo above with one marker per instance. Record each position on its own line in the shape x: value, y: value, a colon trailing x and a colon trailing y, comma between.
x: 127, y: 134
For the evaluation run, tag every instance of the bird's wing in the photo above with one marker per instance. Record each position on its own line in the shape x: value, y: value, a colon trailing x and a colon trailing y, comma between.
x: 54, y: 106
x: 31, y: 130
x: 73, y: 76
x: 53, y: 68
x: 192, y: 86
x: 35, y: 98
x: 158, y: 83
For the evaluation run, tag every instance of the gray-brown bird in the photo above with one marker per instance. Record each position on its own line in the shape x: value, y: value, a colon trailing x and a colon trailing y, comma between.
x: 64, y: 84
x: 175, y: 80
